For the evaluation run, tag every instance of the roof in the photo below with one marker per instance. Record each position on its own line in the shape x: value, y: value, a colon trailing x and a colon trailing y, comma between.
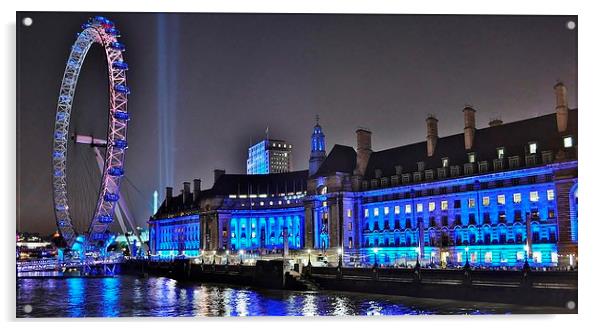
x: 340, y: 159
x: 514, y: 137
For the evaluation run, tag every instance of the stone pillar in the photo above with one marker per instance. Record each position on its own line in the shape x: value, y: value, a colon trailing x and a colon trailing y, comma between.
x: 309, y: 224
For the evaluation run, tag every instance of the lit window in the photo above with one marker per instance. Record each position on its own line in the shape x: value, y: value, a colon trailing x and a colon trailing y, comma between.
x: 501, y: 199
x: 386, y: 210
x: 419, y: 207
x: 408, y: 208
x: 488, y: 257
x: 471, y: 157
x: 554, y: 257
x: 537, y: 257
x: 500, y: 152
x: 445, y: 162
x: 550, y: 194
x: 516, y: 198
x: 324, y: 204
x: 443, y: 205
x: 375, y: 212
x: 534, y: 196
x: 366, y: 213
x: 431, y: 206
x: 349, y: 213
x: 485, y: 200
x: 520, y: 255
x: 397, y: 209
x: 471, y: 202
x: 567, y: 141
x: 532, y: 147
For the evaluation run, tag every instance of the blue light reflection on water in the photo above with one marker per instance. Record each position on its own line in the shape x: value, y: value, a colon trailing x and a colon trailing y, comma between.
x: 133, y: 296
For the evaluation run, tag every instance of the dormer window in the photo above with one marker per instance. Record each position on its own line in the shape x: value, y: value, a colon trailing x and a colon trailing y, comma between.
x: 471, y: 157
x: 567, y: 141
x: 445, y: 162
x: 532, y: 147
x: 420, y: 166
x: 500, y: 152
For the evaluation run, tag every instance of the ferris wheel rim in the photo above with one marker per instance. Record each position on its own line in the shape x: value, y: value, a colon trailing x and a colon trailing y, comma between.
x: 97, y: 30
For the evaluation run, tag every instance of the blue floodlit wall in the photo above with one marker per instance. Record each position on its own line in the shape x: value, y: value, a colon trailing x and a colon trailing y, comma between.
x: 177, y: 236
x: 258, y: 161
x: 253, y: 229
x: 487, y: 225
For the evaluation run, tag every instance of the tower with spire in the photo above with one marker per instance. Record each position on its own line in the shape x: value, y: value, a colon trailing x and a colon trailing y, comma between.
x: 318, y: 148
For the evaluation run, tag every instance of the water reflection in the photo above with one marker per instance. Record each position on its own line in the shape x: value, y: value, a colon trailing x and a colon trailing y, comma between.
x: 132, y: 296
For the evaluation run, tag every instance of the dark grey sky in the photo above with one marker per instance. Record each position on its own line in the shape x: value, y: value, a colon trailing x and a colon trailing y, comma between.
x: 204, y: 84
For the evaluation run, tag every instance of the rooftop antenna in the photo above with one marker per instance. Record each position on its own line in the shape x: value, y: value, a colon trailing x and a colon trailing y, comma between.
x: 317, y: 119
x: 267, y: 132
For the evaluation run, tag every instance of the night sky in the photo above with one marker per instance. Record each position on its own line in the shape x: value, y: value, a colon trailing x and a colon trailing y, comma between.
x: 204, y: 85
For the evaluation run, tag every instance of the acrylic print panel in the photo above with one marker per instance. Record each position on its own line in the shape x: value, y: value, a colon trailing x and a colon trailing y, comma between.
x: 253, y: 184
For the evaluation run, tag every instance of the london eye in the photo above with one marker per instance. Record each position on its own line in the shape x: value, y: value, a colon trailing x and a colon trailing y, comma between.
x: 98, y: 30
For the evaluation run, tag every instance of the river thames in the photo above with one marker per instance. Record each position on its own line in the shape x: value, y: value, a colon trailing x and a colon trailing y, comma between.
x: 129, y: 296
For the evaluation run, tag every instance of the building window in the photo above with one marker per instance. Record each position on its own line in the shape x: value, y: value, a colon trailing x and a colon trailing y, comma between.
x: 443, y: 205
x: 431, y: 206
x: 501, y: 199
x: 488, y: 257
x: 420, y: 166
x: 417, y: 176
x: 471, y: 157
x: 534, y: 196
x: 471, y: 202
x: 445, y: 162
x: 454, y: 170
x: 396, y: 209
x: 485, y: 200
x: 349, y: 226
x: 554, y: 257
x: 483, y: 167
x: 537, y: 257
x: 550, y: 194
x: 567, y: 141
x: 375, y: 211
x: 457, y: 204
x: 366, y: 213
x: 349, y: 213
x: 408, y: 208
x: 350, y: 245
x: 514, y: 161
x: 428, y: 174
x: 547, y: 156
x: 500, y: 152
x: 516, y: 198
x: 532, y: 147
x: 324, y: 204
x: 386, y: 210
x: 419, y: 207
x: 520, y: 255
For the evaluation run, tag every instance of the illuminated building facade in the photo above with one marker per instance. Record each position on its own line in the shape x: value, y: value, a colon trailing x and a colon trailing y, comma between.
x: 494, y: 196
x: 269, y: 156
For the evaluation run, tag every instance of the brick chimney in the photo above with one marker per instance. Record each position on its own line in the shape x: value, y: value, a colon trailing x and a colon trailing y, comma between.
x: 469, y: 127
x: 562, y: 107
x: 432, y: 134
x: 168, y: 195
x: 364, y: 150
x: 186, y: 193
x: 196, y: 189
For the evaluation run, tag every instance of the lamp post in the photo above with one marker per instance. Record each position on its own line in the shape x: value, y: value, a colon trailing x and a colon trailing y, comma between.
x: 241, y: 253
x: 375, y: 250
x: 227, y: 257
x: 466, y: 264
x: 340, y: 253
x: 202, y: 257
x: 417, y: 249
x: 214, y: 253
x: 526, y: 265
x: 308, y: 257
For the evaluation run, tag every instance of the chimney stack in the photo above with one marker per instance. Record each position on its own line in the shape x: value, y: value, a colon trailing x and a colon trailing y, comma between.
x: 168, y: 195
x: 469, y: 126
x: 196, y: 189
x: 562, y: 107
x: 364, y: 150
x: 186, y: 192
x: 217, y: 174
x: 495, y: 122
x: 432, y: 134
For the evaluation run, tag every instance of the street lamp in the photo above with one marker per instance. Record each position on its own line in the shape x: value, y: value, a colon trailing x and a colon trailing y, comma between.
x: 417, y: 249
x: 308, y: 257
x: 241, y: 253
x: 227, y: 257
x: 375, y: 250
x: 466, y: 264
x: 340, y: 253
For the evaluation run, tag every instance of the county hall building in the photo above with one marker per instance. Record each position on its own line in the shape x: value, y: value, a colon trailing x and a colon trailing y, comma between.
x: 493, y: 196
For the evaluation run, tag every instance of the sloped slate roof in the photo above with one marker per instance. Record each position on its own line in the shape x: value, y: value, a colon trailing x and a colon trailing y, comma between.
x: 340, y: 159
x: 514, y: 137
